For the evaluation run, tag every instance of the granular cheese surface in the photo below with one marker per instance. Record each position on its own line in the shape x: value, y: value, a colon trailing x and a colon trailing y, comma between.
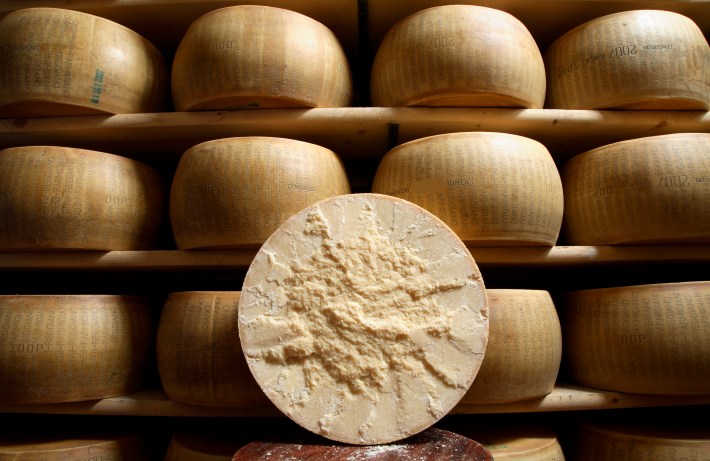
x: 364, y: 318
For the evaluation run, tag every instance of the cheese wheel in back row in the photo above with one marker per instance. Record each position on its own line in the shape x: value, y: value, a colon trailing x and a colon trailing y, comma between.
x: 60, y: 62
x: 234, y: 192
x: 489, y: 188
x: 62, y: 198
x: 638, y: 59
x: 642, y: 339
x: 458, y: 55
x: 67, y: 348
x: 652, y: 190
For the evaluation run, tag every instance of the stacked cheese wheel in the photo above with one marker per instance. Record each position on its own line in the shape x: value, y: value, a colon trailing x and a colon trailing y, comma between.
x: 524, y: 348
x: 642, y: 339
x: 59, y: 198
x: 639, y: 59
x: 66, y: 348
x: 643, y: 438
x: 251, y: 56
x: 199, y: 357
x: 59, y: 62
x: 458, y: 55
x: 645, y: 190
x: 364, y: 318
x: 234, y: 192
x: 490, y: 188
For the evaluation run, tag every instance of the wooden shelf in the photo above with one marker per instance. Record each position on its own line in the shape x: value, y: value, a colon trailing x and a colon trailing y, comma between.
x: 153, y: 402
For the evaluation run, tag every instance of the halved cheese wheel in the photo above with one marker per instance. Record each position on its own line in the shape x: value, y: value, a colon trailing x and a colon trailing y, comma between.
x: 59, y: 62
x: 643, y: 339
x: 364, y: 318
x: 649, y: 438
x: 458, y: 55
x: 639, y: 59
x: 62, y: 198
x: 253, y: 56
x: 524, y: 348
x: 199, y: 357
x: 652, y: 190
x: 67, y: 348
x: 49, y: 444
x: 234, y: 192
x: 490, y: 188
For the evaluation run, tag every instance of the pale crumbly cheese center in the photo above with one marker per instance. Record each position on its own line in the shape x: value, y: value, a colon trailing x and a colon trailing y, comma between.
x: 352, y: 308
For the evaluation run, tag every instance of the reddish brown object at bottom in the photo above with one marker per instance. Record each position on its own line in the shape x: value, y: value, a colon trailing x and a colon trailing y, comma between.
x: 430, y: 445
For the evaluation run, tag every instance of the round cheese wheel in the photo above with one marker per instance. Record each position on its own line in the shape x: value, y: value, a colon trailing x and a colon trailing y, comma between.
x: 524, y: 348
x: 640, y: 191
x: 640, y: 59
x: 643, y: 339
x: 67, y: 348
x: 234, y: 192
x: 364, y: 318
x: 59, y: 62
x: 191, y: 445
x: 77, y: 444
x: 458, y: 55
x: 642, y: 439
x: 59, y: 198
x: 512, y: 440
x: 251, y: 56
x: 199, y: 357
x: 490, y: 188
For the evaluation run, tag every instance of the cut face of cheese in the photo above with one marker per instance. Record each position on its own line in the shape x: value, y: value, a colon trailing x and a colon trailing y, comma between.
x: 253, y: 56
x: 644, y: 339
x: 61, y: 62
x: 199, y: 359
x: 458, y: 55
x: 234, y: 192
x: 638, y: 60
x: 364, y: 318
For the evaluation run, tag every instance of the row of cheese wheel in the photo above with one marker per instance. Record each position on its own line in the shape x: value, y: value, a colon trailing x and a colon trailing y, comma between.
x: 597, y: 439
x: 58, y: 62
x: 650, y: 339
x: 489, y: 188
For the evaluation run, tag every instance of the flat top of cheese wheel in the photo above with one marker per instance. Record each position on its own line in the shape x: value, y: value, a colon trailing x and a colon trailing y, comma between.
x: 364, y: 318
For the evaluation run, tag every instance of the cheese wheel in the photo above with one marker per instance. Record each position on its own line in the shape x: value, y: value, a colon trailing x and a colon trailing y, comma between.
x: 67, y: 348
x: 59, y: 62
x: 640, y: 59
x: 458, y: 55
x: 251, y: 56
x: 643, y: 339
x: 234, y: 192
x: 78, y: 444
x: 524, y: 348
x: 364, y: 318
x: 490, y: 188
x: 189, y: 445
x: 61, y: 198
x: 199, y: 357
x: 514, y: 440
x: 642, y: 439
x: 652, y: 190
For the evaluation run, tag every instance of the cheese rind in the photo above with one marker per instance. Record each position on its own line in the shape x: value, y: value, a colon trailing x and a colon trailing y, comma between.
x: 524, y: 348
x: 61, y: 62
x: 652, y: 190
x: 253, y: 56
x: 643, y: 339
x: 198, y: 358
x: 62, y: 198
x: 68, y: 348
x: 364, y: 318
x: 78, y: 444
x: 458, y: 55
x: 638, y: 60
x: 490, y: 188
x: 234, y: 192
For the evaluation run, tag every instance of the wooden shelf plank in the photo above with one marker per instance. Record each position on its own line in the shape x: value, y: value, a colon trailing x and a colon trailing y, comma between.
x: 154, y: 403
x: 178, y: 260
